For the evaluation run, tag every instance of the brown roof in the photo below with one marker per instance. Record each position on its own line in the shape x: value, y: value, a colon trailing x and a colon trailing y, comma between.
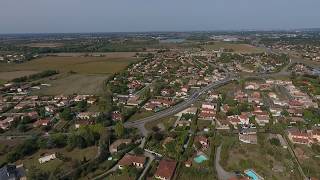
x: 129, y: 159
x: 166, y: 168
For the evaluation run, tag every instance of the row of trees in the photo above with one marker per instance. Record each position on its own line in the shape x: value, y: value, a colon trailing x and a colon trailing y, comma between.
x: 36, y: 76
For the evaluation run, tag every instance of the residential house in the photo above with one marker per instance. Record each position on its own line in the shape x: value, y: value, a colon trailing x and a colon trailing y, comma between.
x: 113, y: 148
x: 134, y: 101
x: 207, y: 105
x: 47, y: 158
x: 165, y: 170
x: 276, y: 112
x: 87, y: 115
x: 6, y: 123
x: 298, y: 137
x: 204, y: 141
x: 132, y: 160
x: 41, y: 122
x: 248, y: 136
x: 252, y: 86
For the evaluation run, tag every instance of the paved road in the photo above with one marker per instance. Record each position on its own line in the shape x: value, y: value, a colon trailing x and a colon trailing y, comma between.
x: 222, y: 174
x: 181, y: 106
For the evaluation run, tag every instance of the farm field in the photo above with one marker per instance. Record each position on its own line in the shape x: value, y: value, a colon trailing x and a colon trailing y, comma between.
x: 239, y: 48
x: 9, y: 75
x: 44, y: 45
x: 78, y: 74
x: 73, y: 83
x: 83, y: 65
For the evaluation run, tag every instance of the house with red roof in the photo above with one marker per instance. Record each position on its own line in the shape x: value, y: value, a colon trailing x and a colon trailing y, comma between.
x: 166, y: 169
x: 137, y: 161
x: 204, y: 141
x: 298, y: 137
x: 42, y: 122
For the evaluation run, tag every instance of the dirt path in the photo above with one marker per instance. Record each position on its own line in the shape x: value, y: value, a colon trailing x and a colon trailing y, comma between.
x: 222, y: 174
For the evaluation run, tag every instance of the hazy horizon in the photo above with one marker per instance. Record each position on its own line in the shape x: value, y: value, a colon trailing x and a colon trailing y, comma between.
x: 80, y: 16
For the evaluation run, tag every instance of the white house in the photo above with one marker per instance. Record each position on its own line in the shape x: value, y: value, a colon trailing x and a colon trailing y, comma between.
x: 47, y: 158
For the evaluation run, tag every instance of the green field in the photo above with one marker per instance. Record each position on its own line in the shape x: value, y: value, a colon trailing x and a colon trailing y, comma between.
x: 140, y: 115
x: 63, y: 165
x: 167, y: 122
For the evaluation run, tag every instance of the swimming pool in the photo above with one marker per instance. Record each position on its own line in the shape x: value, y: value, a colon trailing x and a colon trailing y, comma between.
x: 252, y: 174
x: 199, y: 159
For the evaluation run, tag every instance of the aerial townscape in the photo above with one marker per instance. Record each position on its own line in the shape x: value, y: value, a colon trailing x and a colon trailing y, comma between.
x: 159, y: 90
x: 166, y: 106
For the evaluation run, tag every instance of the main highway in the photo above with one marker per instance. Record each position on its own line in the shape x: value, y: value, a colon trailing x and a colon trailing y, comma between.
x: 180, y: 106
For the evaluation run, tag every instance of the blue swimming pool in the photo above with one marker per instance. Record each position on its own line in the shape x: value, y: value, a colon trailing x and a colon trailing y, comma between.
x: 252, y: 174
x: 199, y: 159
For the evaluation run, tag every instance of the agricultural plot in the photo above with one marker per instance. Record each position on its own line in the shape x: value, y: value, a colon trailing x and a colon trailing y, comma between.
x: 78, y: 74
x: 83, y: 65
x: 9, y: 75
x: 73, y: 83
x: 238, y: 48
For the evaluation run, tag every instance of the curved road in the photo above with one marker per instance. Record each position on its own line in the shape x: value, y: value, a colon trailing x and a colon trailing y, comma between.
x: 181, y: 106
x: 222, y: 174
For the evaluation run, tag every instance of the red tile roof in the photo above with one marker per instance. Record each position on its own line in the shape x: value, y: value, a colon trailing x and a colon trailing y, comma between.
x: 129, y: 159
x: 166, y: 169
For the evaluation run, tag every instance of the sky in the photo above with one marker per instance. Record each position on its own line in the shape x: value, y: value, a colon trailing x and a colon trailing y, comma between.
x: 67, y: 16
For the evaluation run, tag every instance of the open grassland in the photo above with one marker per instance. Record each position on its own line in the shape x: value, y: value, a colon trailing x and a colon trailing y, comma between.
x: 73, y: 83
x: 63, y: 165
x: 238, y: 48
x: 309, y: 160
x: 83, y: 65
x: 264, y: 158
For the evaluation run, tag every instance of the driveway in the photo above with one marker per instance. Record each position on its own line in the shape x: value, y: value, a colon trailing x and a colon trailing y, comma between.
x: 222, y: 174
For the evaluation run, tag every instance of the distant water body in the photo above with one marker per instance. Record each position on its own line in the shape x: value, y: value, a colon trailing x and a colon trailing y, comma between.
x: 172, y: 40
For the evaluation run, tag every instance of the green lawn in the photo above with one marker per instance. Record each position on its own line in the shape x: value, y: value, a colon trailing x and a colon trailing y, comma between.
x: 201, y: 124
x: 63, y: 165
x: 193, y: 173
x: 168, y: 122
x: 140, y: 115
